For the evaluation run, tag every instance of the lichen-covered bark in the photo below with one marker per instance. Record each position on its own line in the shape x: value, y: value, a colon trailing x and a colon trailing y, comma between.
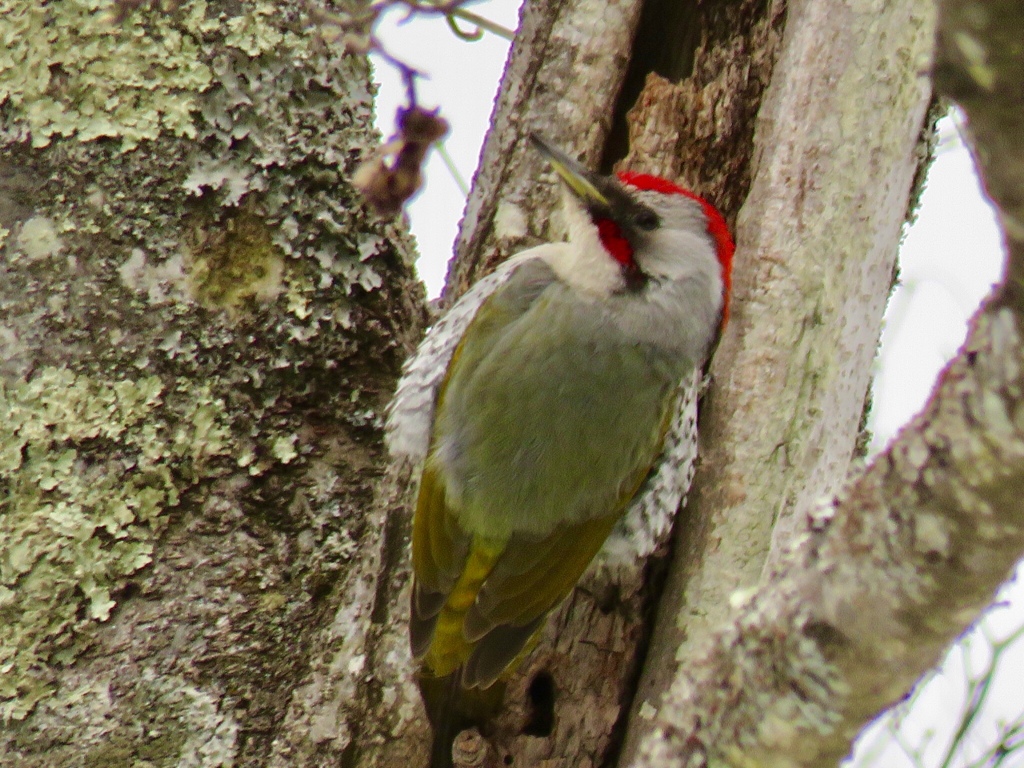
x: 200, y: 328
x: 817, y: 242
x: 874, y: 589
x: 868, y: 587
x: 565, y: 79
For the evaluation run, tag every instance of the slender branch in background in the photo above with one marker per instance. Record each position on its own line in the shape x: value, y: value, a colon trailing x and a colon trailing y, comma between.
x: 355, y: 29
x: 996, y: 749
x: 453, y: 11
x: 482, y: 25
x: 449, y: 163
x: 979, y: 687
x: 409, y: 74
x: 387, y: 186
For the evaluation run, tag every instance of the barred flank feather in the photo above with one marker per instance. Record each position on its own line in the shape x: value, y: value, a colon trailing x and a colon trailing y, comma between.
x: 553, y: 408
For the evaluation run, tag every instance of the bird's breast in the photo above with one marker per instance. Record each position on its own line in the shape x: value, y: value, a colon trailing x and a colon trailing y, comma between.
x: 549, y: 416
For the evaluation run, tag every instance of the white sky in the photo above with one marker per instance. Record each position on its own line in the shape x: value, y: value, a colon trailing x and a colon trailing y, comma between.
x: 463, y: 81
x: 949, y: 260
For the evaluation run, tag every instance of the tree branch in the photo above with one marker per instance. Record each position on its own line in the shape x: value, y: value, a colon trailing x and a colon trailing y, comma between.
x: 874, y: 585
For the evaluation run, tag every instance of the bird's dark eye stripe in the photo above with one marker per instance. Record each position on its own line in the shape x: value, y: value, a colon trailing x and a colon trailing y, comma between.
x: 647, y: 220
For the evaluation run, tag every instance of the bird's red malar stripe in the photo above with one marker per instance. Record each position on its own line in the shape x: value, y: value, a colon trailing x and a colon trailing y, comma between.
x: 618, y: 247
x: 717, y: 227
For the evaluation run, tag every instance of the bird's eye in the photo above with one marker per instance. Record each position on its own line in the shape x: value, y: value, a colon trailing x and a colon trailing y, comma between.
x: 646, y: 220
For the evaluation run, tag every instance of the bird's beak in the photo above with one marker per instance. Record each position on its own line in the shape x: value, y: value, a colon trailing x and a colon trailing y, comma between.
x: 573, y: 174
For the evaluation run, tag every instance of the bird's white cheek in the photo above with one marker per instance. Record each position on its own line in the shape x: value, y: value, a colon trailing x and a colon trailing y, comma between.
x: 585, y: 265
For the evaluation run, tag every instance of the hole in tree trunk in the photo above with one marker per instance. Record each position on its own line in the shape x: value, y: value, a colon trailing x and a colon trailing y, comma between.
x: 541, y: 695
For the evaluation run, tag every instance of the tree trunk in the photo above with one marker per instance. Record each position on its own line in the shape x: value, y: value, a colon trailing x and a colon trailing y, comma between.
x: 839, y: 144
x: 817, y: 239
x: 574, y: 72
x: 865, y: 590
x: 201, y: 329
x: 202, y: 556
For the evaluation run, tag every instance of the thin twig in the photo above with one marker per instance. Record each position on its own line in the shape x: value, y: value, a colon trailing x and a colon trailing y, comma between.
x: 482, y: 23
x: 408, y: 73
x: 449, y: 163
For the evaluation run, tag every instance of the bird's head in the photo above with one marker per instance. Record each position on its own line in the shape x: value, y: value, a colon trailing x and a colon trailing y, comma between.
x: 651, y: 228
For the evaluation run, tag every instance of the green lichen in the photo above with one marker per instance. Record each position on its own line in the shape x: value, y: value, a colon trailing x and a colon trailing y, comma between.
x: 37, y: 239
x: 235, y: 263
x: 283, y: 448
x: 90, y: 69
x: 180, y: 725
x: 72, y: 529
x: 74, y: 69
x: 235, y: 197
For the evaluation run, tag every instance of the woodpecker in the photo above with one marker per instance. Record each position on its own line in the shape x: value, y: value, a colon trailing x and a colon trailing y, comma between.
x: 550, y: 412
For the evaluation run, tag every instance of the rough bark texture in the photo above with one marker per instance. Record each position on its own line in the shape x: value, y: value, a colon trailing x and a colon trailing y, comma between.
x: 202, y: 562
x: 700, y: 130
x: 817, y: 242
x: 866, y: 591
x: 564, y: 81
x: 200, y: 327
x: 696, y: 123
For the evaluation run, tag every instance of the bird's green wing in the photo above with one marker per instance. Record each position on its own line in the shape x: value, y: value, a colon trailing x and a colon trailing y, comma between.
x: 477, y: 602
x: 487, y: 574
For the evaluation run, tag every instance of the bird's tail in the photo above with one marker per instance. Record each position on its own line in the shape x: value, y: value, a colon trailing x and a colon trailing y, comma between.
x: 452, y: 708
